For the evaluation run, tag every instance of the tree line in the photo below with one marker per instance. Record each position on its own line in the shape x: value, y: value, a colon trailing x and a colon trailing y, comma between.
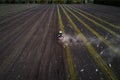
x: 108, y: 2
x: 42, y: 1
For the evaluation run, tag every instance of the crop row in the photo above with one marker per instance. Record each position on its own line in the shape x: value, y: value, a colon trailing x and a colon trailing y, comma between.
x: 76, y: 13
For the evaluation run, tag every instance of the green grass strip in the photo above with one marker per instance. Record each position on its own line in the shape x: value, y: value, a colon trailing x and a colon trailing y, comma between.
x: 96, y: 23
x: 102, y: 20
x: 107, y: 71
x: 95, y: 33
x: 68, y: 52
x: 61, y: 26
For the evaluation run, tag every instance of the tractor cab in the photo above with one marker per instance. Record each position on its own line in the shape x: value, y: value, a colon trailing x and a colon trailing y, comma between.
x: 60, y: 34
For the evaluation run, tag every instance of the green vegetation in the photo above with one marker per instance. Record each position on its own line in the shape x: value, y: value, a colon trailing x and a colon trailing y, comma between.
x: 68, y: 51
x: 102, y: 20
x: 93, y: 31
x: 101, y: 63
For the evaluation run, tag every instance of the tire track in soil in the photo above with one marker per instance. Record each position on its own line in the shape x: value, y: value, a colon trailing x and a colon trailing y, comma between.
x: 56, y: 67
x: 36, y: 55
x: 9, y: 44
x: 108, y: 13
x: 100, y: 37
x: 14, y: 29
x: 110, y: 60
x: 16, y: 52
x: 107, y: 71
x: 15, y: 16
x: 12, y: 23
x: 69, y: 61
x: 82, y: 59
x: 39, y: 57
x: 99, y: 27
x: 98, y: 19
